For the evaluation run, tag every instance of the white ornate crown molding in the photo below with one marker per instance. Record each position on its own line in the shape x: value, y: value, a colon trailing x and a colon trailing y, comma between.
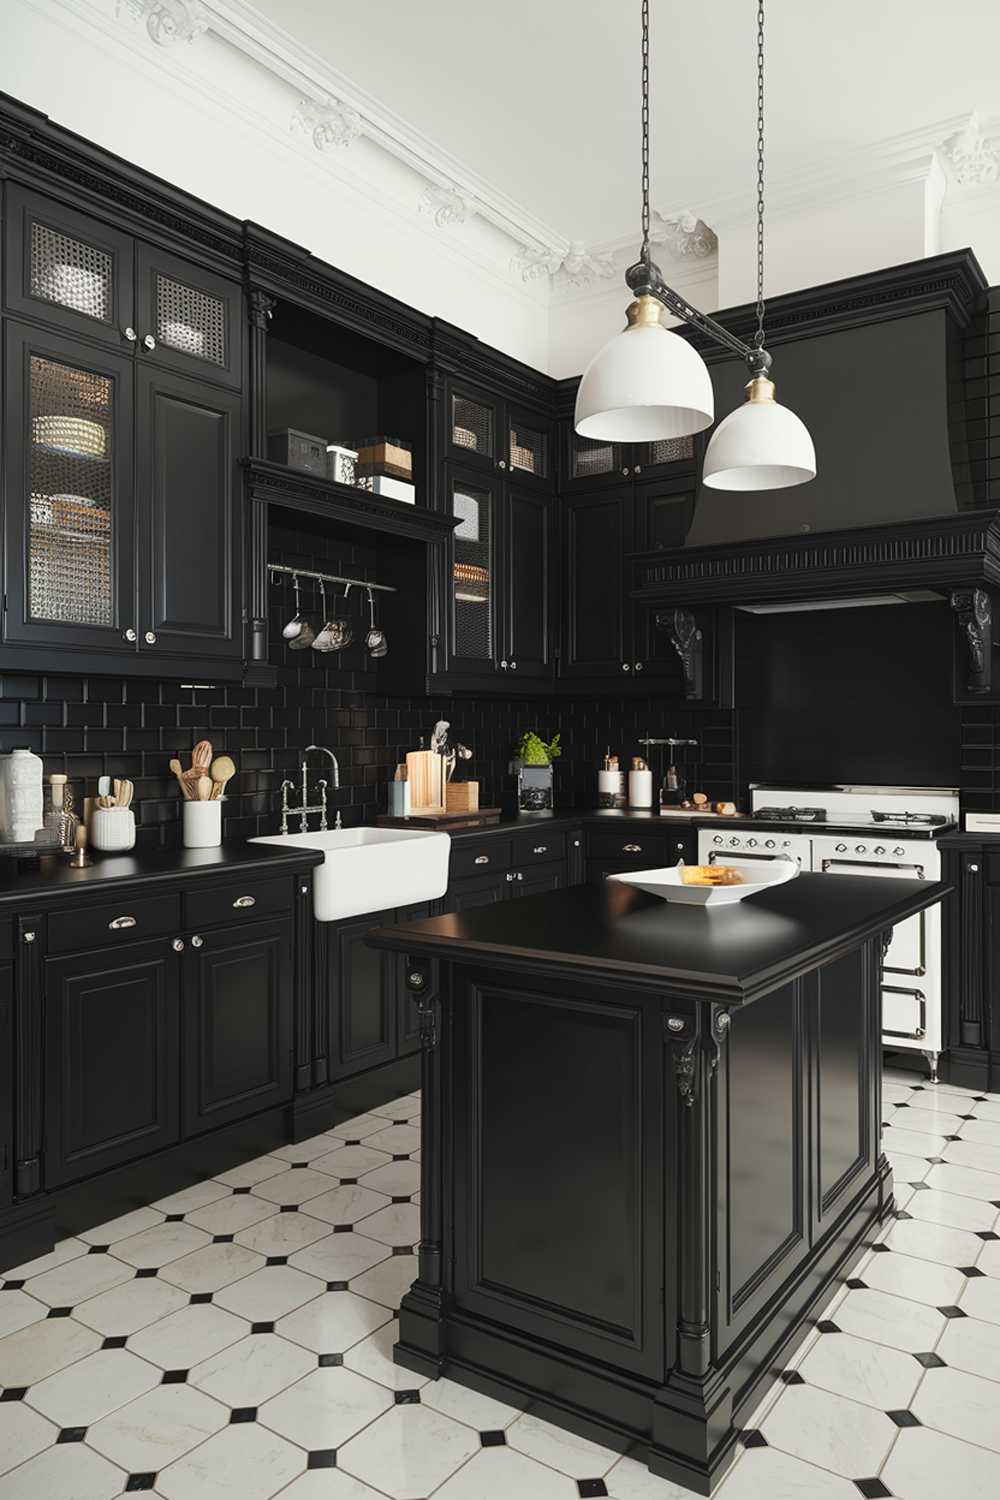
x: 168, y: 21
x: 684, y: 235
x: 448, y: 205
x: 574, y: 267
x: 971, y: 156
x: 329, y: 122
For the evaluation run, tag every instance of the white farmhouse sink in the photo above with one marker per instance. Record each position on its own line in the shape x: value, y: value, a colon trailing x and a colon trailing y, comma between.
x: 371, y: 869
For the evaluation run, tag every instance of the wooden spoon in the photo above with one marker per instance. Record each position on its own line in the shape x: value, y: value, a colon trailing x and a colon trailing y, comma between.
x: 180, y: 773
x: 203, y: 789
x: 201, y: 757
x: 222, y: 772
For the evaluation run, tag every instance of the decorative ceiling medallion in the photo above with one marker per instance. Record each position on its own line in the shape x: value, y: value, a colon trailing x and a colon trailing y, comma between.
x: 684, y: 235
x: 447, y: 205
x: 168, y: 21
x: 328, y: 121
x: 574, y: 266
x: 971, y: 158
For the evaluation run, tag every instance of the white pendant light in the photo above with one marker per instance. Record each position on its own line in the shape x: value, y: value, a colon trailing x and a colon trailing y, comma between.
x: 760, y: 445
x: 646, y: 383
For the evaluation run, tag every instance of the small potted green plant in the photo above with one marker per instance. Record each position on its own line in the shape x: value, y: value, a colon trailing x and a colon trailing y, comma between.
x: 534, y: 759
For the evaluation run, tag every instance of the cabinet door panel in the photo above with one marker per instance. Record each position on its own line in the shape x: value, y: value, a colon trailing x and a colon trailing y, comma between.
x: 475, y: 433
x: 237, y: 1024
x: 111, y: 1046
x: 6, y: 1079
x: 485, y: 890
x: 534, y: 882
x: 473, y: 634
x: 67, y: 269
x: 187, y: 445
x: 70, y: 506
x: 362, y: 998
x: 598, y: 536
x: 526, y: 563
x: 194, y: 317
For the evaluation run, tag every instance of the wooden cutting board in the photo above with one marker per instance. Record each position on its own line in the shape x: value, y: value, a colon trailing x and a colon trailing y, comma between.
x: 444, y: 822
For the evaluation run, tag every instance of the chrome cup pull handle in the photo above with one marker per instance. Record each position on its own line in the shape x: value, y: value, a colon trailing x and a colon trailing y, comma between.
x: 631, y: 848
x: 482, y: 859
x: 242, y: 901
x: 118, y: 923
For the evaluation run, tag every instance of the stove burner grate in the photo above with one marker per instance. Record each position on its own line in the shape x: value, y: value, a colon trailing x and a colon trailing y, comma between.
x: 792, y: 814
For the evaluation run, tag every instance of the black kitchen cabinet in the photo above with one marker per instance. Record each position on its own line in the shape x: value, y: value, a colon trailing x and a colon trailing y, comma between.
x: 188, y: 443
x: 190, y: 320
x: 592, y: 464
x: 111, y: 1058
x: 611, y: 853
x: 484, y: 431
x: 362, y: 997
x: 527, y: 616
x: 238, y: 1022
x: 534, y: 882
x: 6, y: 1074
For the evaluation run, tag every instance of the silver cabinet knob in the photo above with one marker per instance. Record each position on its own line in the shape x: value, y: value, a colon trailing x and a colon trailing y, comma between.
x: 973, y: 869
x: 482, y: 859
x: 197, y: 942
x: 244, y: 901
x: 129, y: 634
x: 503, y: 666
x: 29, y: 937
x: 519, y: 875
x: 625, y: 473
x: 637, y: 469
x: 638, y: 666
x: 626, y: 666
x: 150, y: 637
x: 508, y: 877
x: 129, y: 334
x: 513, y: 666
x: 540, y: 849
x: 178, y: 945
x: 149, y: 342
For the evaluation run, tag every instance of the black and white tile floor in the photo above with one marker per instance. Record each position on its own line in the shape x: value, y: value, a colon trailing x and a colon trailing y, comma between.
x: 233, y: 1342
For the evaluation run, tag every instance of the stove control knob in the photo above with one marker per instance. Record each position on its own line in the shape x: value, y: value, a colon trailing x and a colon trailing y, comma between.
x: 879, y: 849
x: 751, y: 843
x: 841, y: 849
x: 769, y: 843
x: 899, y: 849
x: 859, y: 849
x: 718, y: 839
x: 735, y: 842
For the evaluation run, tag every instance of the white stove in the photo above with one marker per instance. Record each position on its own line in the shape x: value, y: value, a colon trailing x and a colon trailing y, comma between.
x: 877, y: 831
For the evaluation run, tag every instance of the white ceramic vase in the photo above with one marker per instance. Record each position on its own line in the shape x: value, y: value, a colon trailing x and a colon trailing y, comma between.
x: 112, y: 829
x: 21, y: 813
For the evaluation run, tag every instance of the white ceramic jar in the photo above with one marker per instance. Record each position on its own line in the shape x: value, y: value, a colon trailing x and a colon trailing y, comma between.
x: 201, y: 824
x: 21, y: 813
x: 112, y: 829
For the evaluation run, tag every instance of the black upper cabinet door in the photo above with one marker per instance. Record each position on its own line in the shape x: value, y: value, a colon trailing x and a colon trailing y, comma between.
x: 664, y: 510
x: 188, y: 319
x: 68, y: 269
x: 474, y: 427
x: 188, y: 440
x: 527, y: 635
x: 666, y: 457
x: 362, y: 991
x: 472, y: 598
x: 597, y: 632
x: 238, y: 1019
x: 111, y: 1049
x: 69, y: 486
x: 589, y: 464
x: 530, y: 451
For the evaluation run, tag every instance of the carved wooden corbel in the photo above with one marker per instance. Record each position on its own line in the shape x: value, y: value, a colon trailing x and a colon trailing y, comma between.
x: 719, y: 1030
x: 418, y: 982
x: 974, y: 613
x: 689, y: 643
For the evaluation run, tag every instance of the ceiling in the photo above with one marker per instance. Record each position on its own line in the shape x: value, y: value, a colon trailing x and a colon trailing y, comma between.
x: 540, y: 97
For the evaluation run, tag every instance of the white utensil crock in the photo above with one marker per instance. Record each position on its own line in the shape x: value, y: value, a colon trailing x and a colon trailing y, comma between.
x: 112, y: 829
x: 202, y: 824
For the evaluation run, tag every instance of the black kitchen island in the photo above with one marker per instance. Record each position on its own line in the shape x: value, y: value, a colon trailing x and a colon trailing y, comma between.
x: 651, y: 1149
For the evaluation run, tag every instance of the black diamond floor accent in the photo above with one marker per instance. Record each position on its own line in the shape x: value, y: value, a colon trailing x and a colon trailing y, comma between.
x: 240, y: 1192
x: 401, y: 1122
x: 966, y: 1117
x: 277, y: 1260
x: 71, y: 1435
x: 222, y: 1239
x: 401, y: 1156
x: 936, y: 1161
x: 343, y: 1228
x: 13, y: 1286
x: 243, y: 1414
x: 174, y: 1377
x: 903, y: 1418
x: 322, y: 1458
x: 289, y: 1208
x: 493, y: 1439
x: 952, y: 1312
x: 902, y: 1214
x: 752, y: 1437
x: 136, y: 1482
x: 146, y: 1272
x: 986, y: 1234
x: 336, y: 1286
x: 299, y: 1166
x: 407, y: 1398
x: 14, y: 1393
x: 98, y: 1250
x: 198, y: 1297
x: 327, y: 1361
x: 827, y: 1327
x: 971, y: 1271
x: 116, y: 1342
x: 791, y: 1377
x: 920, y: 1187
x: 348, y: 1182
x: 930, y: 1361
x: 59, y: 1312
x: 880, y: 1249
x: 261, y: 1327
x: 857, y: 1285
x: 872, y: 1489
x: 587, y: 1487
x: 174, y: 1219
x: 352, y: 1143
x: 403, y: 1199
x: 402, y: 1249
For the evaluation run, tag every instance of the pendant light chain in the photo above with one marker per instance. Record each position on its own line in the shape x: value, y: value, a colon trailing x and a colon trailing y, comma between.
x: 645, y: 132
x: 759, y: 335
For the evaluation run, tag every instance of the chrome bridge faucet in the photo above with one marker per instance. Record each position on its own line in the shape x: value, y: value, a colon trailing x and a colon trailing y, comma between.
x: 302, y: 812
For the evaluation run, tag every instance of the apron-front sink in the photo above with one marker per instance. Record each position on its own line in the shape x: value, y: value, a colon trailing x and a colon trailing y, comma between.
x: 371, y: 869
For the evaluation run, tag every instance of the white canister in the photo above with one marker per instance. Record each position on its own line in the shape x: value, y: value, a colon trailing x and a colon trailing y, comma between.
x: 640, y: 788
x: 21, y: 813
x: 202, y: 824
x: 112, y: 829
x: 611, y: 788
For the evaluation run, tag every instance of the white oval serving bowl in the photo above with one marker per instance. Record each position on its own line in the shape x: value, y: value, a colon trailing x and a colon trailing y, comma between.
x: 669, y: 885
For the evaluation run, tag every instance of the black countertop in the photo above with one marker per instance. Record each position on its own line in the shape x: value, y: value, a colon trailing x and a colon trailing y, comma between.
x: 53, y: 875
x: 623, y: 936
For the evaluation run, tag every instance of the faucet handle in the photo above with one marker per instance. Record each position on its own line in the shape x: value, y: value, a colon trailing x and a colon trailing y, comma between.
x: 322, y: 806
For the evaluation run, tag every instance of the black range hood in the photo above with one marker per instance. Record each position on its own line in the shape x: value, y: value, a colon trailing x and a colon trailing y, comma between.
x: 874, y: 367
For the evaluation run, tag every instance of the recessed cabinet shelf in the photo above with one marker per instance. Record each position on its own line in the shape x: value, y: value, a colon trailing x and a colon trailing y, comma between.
x: 343, y: 504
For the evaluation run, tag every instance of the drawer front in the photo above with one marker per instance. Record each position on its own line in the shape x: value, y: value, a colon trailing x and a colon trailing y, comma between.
x: 538, y: 848
x: 129, y: 918
x: 249, y: 901
x: 479, y: 857
x: 638, y: 847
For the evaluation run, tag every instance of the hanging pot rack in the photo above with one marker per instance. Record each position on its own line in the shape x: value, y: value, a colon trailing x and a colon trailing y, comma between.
x: 361, y: 583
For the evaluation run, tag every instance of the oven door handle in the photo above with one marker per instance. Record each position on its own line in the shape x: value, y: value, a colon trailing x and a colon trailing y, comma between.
x: 746, y: 855
x: 921, y: 999
x: 826, y: 865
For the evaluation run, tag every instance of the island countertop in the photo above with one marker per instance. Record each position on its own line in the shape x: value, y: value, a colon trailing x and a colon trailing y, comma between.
x: 730, y: 955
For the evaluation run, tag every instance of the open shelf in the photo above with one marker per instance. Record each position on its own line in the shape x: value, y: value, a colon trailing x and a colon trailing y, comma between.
x: 296, y: 492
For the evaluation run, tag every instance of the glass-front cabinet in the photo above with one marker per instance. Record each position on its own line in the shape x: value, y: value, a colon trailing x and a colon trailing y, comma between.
x: 472, y: 592
x: 486, y: 431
